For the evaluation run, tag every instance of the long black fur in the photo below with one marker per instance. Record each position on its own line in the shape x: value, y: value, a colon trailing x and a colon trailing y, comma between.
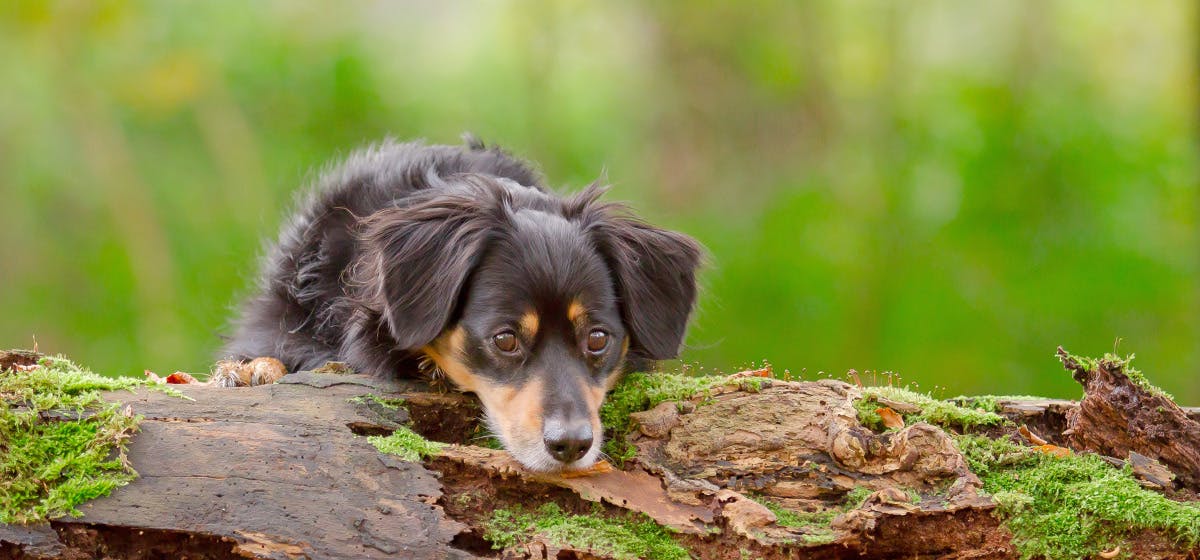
x: 374, y: 264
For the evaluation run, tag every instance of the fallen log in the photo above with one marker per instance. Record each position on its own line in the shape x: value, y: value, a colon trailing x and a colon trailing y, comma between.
x: 759, y: 468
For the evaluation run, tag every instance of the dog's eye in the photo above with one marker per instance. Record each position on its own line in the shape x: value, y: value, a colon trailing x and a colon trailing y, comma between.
x: 597, y: 341
x: 506, y: 341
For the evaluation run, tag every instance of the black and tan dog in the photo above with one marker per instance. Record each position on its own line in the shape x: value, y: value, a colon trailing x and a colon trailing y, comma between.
x: 459, y: 258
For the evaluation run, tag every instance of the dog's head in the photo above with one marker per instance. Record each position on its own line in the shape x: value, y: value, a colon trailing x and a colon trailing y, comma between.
x: 535, y: 303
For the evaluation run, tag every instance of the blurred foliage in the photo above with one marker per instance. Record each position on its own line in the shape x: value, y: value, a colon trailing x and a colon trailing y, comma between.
x: 943, y: 189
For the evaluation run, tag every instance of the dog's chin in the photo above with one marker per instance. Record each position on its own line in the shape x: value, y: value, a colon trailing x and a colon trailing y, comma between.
x: 538, y: 460
x: 532, y: 454
x: 534, y: 457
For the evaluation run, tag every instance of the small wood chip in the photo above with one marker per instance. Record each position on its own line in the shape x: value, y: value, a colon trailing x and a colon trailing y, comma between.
x: 600, y: 467
x: 1149, y: 472
x: 901, y: 407
x: 890, y: 418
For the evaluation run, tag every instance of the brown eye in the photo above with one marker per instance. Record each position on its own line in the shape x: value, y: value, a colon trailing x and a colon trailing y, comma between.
x: 597, y: 341
x: 506, y: 341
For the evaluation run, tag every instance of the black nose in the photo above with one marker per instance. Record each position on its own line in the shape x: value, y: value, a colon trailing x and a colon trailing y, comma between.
x: 570, y: 445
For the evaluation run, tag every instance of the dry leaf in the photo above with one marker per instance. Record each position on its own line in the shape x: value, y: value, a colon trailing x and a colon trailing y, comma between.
x: 1110, y: 553
x: 761, y: 372
x: 890, y: 418
x: 1050, y: 449
x: 1030, y: 436
x: 181, y: 378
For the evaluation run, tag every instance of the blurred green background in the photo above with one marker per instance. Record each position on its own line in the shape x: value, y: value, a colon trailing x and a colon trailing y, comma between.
x: 944, y: 189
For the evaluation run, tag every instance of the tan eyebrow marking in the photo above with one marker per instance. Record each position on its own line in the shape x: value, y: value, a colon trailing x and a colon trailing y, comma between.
x: 575, y: 311
x: 530, y: 323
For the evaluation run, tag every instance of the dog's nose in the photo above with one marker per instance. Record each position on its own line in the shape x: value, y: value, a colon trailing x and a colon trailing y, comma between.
x: 569, y: 445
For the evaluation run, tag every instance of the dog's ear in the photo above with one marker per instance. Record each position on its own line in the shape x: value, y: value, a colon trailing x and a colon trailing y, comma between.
x: 655, y: 275
x: 417, y: 259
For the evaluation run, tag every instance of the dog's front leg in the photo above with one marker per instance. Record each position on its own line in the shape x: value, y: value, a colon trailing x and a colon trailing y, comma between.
x: 238, y: 373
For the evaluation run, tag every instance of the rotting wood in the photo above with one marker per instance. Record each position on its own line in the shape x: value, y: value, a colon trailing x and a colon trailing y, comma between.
x: 1118, y: 416
x: 279, y: 472
x: 265, y: 472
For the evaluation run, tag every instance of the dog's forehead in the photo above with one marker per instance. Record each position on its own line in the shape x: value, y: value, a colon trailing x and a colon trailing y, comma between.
x: 543, y: 259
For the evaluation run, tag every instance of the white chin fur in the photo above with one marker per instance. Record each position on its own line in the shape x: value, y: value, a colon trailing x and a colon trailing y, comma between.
x: 533, y: 455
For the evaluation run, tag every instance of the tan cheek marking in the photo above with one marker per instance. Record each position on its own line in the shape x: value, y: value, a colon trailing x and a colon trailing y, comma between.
x: 529, y: 324
x: 614, y: 377
x: 446, y: 351
x: 595, y: 397
x: 612, y: 380
x: 518, y: 411
x: 575, y: 311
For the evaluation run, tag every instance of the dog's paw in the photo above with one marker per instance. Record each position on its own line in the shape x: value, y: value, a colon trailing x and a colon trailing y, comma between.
x: 237, y: 373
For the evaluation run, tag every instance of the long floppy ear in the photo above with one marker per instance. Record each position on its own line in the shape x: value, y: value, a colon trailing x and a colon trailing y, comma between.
x: 419, y: 257
x: 655, y: 273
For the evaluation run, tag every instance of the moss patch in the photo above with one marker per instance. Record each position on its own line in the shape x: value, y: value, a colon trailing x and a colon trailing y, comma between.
x: 643, y: 391
x: 991, y: 403
x: 369, y: 398
x: 60, y: 443
x: 406, y: 444
x: 624, y: 537
x: 941, y: 413
x: 1135, y: 375
x: 815, y: 524
x: 483, y: 437
x: 1074, y: 506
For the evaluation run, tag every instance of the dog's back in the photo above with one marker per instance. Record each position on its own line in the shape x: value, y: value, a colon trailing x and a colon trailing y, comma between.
x: 301, y: 310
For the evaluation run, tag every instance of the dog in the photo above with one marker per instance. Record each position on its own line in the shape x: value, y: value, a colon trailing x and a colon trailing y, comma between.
x: 460, y: 259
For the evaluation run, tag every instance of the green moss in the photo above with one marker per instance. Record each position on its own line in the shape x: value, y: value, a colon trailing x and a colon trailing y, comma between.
x: 61, y: 444
x: 933, y: 411
x: 393, y: 404
x: 624, y: 537
x: 753, y: 384
x: 406, y: 444
x: 798, y: 519
x: 483, y: 437
x: 991, y: 403
x: 1074, y: 506
x: 815, y: 524
x: 1138, y: 378
x: 643, y: 391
